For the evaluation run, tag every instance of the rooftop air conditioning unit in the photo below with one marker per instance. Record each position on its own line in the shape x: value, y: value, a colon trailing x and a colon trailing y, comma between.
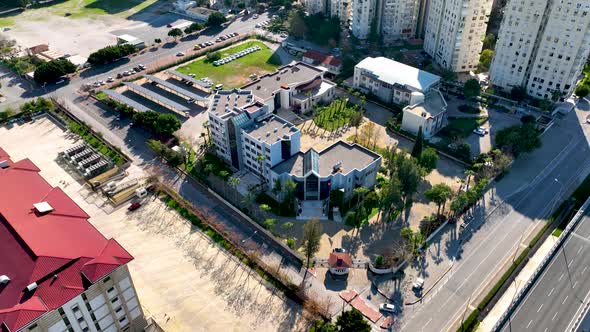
x: 43, y: 207
x: 275, y: 130
x: 4, y: 164
x: 4, y: 279
x: 32, y: 287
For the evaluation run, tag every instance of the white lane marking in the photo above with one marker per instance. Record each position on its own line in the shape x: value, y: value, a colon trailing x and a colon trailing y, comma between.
x: 554, y: 316
x: 570, y: 263
x: 551, y: 292
x: 565, y: 299
x: 545, y: 329
x: 529, y: 324
x: 541, y: 306
x: 584, y: 270
x: 561, y: 276
x: 580, y: 249
x: 575, y: 283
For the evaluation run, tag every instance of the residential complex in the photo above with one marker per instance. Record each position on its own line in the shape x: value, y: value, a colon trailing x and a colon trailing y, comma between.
x: 542, y: 46
x: 341, y: 9
x: 454, y: 31
x: 57, y: 272
x: 395, y: 82
x: 398, y: 19
x: 362, y: 15
x: 341, y: 166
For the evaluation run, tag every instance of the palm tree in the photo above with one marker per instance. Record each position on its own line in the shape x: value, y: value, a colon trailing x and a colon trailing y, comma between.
x: 261, y: 158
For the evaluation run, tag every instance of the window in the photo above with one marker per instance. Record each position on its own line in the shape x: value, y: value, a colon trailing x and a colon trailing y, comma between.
x: 32, y: 327
x: 115, y: 299
x: 110, y: 289
x: 106, y: 279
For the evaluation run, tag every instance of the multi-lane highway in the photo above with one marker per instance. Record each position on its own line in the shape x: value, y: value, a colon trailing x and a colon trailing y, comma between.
x: 556, y: 300
x: 533, y: 188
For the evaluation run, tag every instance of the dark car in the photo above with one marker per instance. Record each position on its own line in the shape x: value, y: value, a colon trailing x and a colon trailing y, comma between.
x: 134, y: 206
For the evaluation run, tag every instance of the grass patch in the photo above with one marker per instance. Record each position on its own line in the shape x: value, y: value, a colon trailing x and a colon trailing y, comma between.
x: 91, y: 8
x: 101, y: 96
x: 460, y: 128
x: 337, y: 114
x: 6, y: 21
x: 237, y: 72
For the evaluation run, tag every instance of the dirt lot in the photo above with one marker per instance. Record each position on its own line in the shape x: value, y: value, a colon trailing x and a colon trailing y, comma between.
x: 177, y: 271
x: 91, y: 25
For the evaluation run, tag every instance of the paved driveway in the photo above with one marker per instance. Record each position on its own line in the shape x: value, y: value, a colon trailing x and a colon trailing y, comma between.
x: 496, y: 121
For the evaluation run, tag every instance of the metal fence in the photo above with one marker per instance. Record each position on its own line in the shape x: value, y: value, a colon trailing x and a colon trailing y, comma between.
x: 523, y: 290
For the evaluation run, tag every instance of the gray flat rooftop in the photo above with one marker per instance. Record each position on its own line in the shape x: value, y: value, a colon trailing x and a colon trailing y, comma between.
x: 154, y: 96
x: 125, y: 100
x: 433, y: 105
x: 175, y: 88
x: 350, y: 157
x: 230, y: 99
x: 289, y: 75
x: 271, y: 129
x: 186, y: 77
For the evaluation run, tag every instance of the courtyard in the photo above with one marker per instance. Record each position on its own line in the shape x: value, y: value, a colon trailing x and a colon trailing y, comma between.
x: 236, y: 73
x: 183, y: 279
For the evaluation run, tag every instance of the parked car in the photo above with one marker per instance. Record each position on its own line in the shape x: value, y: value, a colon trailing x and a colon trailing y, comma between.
x: 481, y: 131
x: 418, y: 284
x: 141, y: 66
x: 180, y: 54
x: 387, y: 307
x: 255, y: 16
x: 110, y: 79
x: 119, y: 75
x: 134, y: 206
x: 190, y: 100
x: 339, y: 250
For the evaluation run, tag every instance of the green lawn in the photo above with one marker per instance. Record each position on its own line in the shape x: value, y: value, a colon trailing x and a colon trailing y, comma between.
x: 90, y: 8
x: 464, y: 126
x: 237, y: 72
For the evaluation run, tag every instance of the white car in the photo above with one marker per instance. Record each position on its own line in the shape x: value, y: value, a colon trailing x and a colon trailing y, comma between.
x: 255, y: 16
x: 110, y: 79
x: 387, y: 307
x: 418, y: 284
x: 257, y: 25
x: 481, y: 131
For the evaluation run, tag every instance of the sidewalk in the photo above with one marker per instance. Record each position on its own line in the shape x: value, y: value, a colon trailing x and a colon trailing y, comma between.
x: 521, y: 279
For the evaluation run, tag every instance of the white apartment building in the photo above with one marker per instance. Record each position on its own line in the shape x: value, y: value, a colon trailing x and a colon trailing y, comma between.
x: 315, y: 6
x: 542, y: 46
x: 398, y: 19
x: 454, y: 32
x: 341, y: 9
x: 362, y: 15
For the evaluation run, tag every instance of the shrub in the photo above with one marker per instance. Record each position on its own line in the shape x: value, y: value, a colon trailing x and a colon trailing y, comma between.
x: 582, y: 91
x: 111, y: 53
x: 291, y: 243
x: 213, y: 56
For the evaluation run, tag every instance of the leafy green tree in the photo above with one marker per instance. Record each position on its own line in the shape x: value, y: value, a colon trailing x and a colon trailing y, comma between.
x: 157, y: 40
x: 215, y: 19
x: 409, y: 177
x: 464, y: 151
x: 111, y: 53
x: 471, y: 88
x: 296, y: 24
x: 289, y: 188
x: 582, y: 91
x: 459, y: 203
x: 356, y: 120
x: 418, y: 145
x: 428, y: 159
x: 390, y: 198
x: 352, y: 321
x: 312, y: 233
x: 518, y: 139
x: 166, y: 124
x: 269, y: 223
x: 439, y: 194
x: 194, y: 27
x: 485, y: 60
x: 489, y: 42
x: 518, y: 93
x: 175, y: 33
x: 51, y: 71
x: 213, y: 56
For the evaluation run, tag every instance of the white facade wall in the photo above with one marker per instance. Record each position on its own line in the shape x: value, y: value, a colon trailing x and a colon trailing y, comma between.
x: 362, y: 15
x: 399, y: 19
x: 315, y: 6
x: 454, y: 31
x: 542, y: 46
x: 220, y: 135
x: 341, y: 9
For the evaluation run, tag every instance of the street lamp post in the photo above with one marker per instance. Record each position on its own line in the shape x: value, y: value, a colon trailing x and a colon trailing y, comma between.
x: 249, y: 237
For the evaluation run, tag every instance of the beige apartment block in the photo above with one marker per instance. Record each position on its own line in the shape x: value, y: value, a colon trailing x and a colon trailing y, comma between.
x: 454, y: 31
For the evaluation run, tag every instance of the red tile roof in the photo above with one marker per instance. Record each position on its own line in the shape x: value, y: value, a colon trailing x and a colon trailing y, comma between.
x: 322, y: 59
x: 340, y: 260
x: 59, y: 250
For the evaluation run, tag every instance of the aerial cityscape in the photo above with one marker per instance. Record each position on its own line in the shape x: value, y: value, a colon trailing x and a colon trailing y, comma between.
x: 307, y: 165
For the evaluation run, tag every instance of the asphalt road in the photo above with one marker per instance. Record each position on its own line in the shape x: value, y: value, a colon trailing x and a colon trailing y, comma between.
x: 530, y: 193
x: 555, y: 300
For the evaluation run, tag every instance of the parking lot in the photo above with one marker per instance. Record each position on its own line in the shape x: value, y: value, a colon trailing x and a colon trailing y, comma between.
x: 183, y: 279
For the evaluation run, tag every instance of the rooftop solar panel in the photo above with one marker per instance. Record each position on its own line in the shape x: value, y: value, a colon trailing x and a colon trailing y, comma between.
x: 173, y: 87
x: 156, y: 97
x: 125, y: 100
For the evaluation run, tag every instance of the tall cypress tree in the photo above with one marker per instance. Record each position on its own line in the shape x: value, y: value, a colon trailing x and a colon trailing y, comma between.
x: 418, y: 146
